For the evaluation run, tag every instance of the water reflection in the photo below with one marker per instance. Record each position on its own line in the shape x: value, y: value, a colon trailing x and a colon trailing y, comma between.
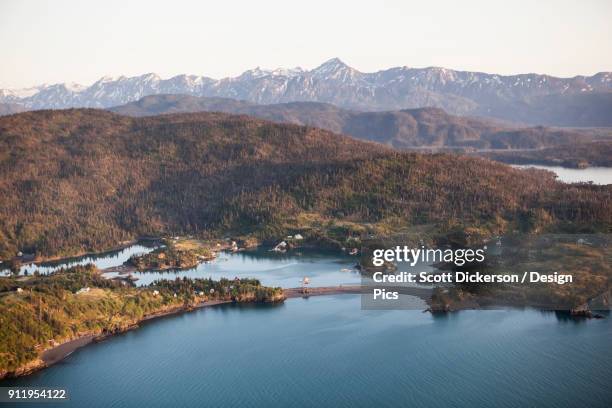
x: 102, y: 260
x: 273, y: 269
x: 597, y: 175
x: 235, y: 355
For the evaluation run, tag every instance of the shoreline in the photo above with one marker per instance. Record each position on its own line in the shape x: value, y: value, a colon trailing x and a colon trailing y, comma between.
x: 129, y: 269
x: 292, y: 293
x: 61, y: 351
x: 58, y: 353
x: 64, y: 259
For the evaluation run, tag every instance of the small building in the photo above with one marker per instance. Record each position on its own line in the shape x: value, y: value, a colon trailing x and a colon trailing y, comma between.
x: 155, y: 292
x: 19, y: 290
x: 298, y: 237
x: 83, y: 290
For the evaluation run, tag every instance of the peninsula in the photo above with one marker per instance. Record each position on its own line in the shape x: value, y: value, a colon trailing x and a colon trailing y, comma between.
x: 80, y: 305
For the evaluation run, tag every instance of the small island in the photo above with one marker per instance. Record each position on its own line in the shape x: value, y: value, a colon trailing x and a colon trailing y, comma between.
x: 162, y: 259
x: 177, y: 253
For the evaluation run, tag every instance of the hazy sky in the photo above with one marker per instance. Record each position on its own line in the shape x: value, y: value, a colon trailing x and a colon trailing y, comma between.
x: 65, y: 40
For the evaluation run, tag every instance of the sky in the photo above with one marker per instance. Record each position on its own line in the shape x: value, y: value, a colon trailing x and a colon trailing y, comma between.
x: 80, y: 41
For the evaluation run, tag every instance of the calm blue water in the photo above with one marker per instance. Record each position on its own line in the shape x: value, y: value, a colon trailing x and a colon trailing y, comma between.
x: 105, y: 260
x: 326, y: 351
x: 286, y: 270
x: 272, y: 269
x: 598, y: 175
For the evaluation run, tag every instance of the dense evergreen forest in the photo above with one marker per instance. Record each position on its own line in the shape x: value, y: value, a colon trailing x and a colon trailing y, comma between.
x: 581, y: 155
x: 80, y: 180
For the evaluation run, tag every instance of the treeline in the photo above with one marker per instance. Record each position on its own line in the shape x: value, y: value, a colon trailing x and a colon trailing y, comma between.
x: 238, y: 290
x: 83, y: 180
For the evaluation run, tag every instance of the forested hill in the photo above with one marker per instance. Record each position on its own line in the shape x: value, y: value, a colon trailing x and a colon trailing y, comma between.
x: 85, y: 179
x: 424, y: 127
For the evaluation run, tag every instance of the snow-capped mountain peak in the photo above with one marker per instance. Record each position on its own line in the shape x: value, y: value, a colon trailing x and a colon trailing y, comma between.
x: 150, y: 77
x: 259, y: 72
x: 287, y: 72
x: 332, y: 68
x: 256, y: 72
x: 458, y: 92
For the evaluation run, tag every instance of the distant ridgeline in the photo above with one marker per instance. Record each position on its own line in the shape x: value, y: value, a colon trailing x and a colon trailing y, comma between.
x: 577, y: 156
x: 81, y: 180
x: 408, y: 128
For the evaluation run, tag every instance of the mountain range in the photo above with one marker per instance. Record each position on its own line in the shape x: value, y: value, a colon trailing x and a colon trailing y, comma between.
x: 408, y: 128
x: 527, y: 98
